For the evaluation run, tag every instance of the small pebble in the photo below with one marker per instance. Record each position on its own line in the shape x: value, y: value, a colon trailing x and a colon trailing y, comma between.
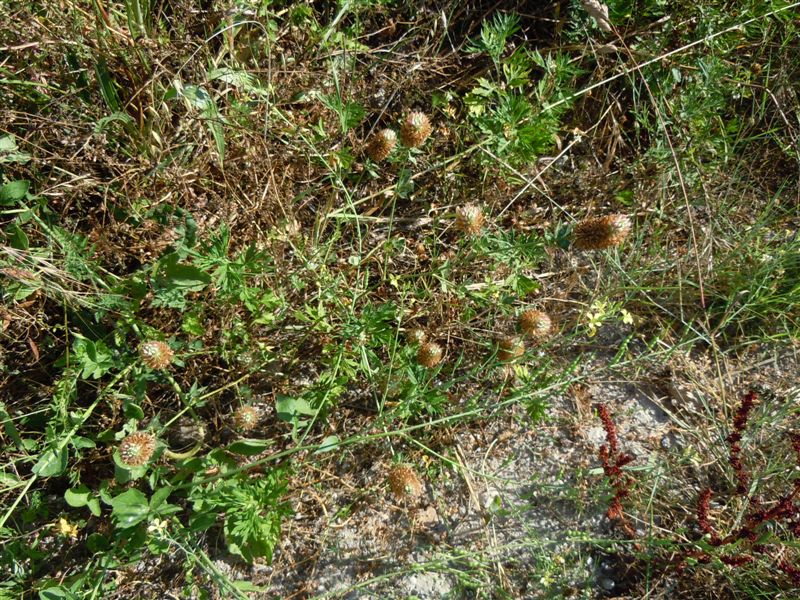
x: 607, y: 584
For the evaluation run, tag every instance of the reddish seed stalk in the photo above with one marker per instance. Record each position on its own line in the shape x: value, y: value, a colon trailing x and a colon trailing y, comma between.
x: 610, y: 428
x: 741, y: 543
x: 702, y: 516
x: 790, y: 570
x: 785, y: 510
x: 613, y: 460
x: 734, y: 439
x: 736, y: 560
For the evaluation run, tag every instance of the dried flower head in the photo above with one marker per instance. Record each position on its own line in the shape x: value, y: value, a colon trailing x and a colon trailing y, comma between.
x: 429, y: 354
x: 598, y: 233
x: 136, y: 449
x: 469, y: 219
x: 415, y: 130
x: 381, y: 144
x: 186, y: 431
x: 245, y: 418
x: 510, y: 347
x: 404, y: 483
x: 536, y: 324
x: 416, y: 336
x: 156, y: 355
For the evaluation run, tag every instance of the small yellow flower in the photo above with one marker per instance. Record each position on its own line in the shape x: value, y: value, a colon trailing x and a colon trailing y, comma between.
x: 66, y: 528
x: 157, y: 527
x: 627, y: 317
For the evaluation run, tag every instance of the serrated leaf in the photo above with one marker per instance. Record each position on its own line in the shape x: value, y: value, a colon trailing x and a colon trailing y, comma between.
x: 193, y: 325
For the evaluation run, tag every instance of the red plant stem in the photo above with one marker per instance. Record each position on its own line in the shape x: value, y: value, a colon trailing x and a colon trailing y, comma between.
x: 739, y: 425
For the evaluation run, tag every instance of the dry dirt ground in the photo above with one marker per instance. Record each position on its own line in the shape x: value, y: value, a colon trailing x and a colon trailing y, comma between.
x: 517, y: 498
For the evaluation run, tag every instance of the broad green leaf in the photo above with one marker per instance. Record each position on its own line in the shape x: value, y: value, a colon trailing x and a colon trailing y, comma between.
x: 123, y: 473
x: 57, y: 593
x: 9, y: 153
x: 290, y: 408
x: 17, y: 238
x: 9, y: 480
x: 53, y: 462
x: 328, y: 444
x: 78, y: 496
x: 97, y: 543
x: 82, y: 496
x: 79, y: 442
x: 94, y: 506
x: 197, y: 97
x: 13, y: 191
x: 186, y: 277
x: 249, y: 447
x: 133, y: 411
x: 10, y: 428
x: 201, y: 521
x: 159, y: 497
x: 130, y: 508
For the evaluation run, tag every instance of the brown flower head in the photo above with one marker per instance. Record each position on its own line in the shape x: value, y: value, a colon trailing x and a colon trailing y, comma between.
x: 245, y: 418
x: 469, y: 219
x: 429, y: 354
x: 156, y: 355
x: 416, y: 336
x: 404, y: 483
x: 510, y: 347
x: 598, y: 233
x: 136, y: 449
x: 536, y: 324
x: 381, y: 144
x: 415, y: 130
